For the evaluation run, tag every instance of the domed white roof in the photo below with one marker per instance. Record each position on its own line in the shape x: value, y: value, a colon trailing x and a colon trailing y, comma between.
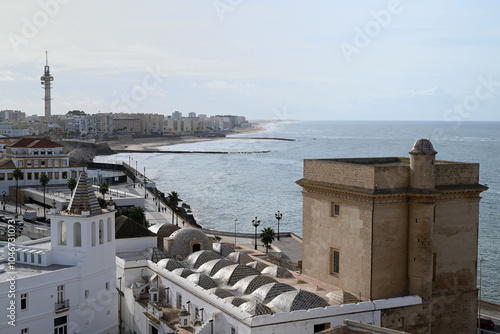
x: 182, y: 239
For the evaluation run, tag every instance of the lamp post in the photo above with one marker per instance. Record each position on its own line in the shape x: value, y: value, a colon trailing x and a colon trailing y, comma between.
x: 133, y: 172
x: 136, y: 167
x: 278, y: 216
x: 145, y: 193
x: 235, y: 221
x: 255, y: 224
x: 4, y: 193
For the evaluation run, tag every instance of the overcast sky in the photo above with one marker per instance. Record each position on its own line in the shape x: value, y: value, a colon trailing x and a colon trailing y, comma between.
x: 369, y: 60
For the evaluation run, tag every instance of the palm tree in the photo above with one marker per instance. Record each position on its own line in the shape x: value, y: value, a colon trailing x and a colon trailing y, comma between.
x: 137, y: 214
x: 103, y: 189
x: 173, y: 200
x: 72, y: 184
x: 267, y: 237
x: 44, y: 179
x: 18, y: 174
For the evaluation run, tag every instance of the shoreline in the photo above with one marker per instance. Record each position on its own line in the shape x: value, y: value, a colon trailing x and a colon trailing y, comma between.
x: 152, y: 144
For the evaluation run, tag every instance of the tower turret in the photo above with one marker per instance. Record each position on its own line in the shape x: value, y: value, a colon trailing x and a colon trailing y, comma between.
x: 422, y: 170
x: 421, y: 218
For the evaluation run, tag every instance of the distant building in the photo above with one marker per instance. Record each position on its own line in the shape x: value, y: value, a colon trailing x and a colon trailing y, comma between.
x: 192, y: 115
x: 388, y: 227
x: 129, y: 123
x: 8, y: 130
x: 176, y: 115
x: 65, y: 283
x: 12, y: 116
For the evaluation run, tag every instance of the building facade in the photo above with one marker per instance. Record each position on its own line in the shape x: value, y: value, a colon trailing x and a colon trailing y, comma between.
x: 34, y: 157
x: 65, y: 283
x: 388, y: 227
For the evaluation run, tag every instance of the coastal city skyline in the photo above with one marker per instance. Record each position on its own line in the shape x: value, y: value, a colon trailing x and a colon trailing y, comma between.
x: 387, y: 60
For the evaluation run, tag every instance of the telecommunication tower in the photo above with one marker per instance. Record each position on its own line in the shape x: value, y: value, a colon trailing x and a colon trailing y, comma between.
x: 47, y: 79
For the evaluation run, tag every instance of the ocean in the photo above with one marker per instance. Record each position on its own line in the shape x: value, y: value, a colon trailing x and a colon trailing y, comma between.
x: 223, y: 187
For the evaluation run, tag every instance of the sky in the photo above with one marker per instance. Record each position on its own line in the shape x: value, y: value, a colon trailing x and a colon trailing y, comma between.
x: 304, y: 60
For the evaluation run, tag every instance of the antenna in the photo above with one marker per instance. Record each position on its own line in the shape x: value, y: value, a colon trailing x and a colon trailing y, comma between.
x: 47, y: 58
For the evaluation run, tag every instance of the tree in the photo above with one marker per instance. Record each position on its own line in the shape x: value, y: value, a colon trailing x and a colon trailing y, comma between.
x: 103, y: 189
x: 18, y: 174
x: 173, y: 201
x: 137, y: 214
x: 72, y: 184
x: 217, y: 238
x: 267, y: 237
x: 44, y: 179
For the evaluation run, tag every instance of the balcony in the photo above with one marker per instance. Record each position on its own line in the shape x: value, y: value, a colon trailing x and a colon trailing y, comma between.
x: 62, y: 306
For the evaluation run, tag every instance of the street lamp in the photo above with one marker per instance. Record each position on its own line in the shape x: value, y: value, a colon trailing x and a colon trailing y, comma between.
x: 145, y: 193
x: 255, y: 224
x: 235, y: 221
x: 278, y: 216
x: 136, y: 167
x: 4, y: 193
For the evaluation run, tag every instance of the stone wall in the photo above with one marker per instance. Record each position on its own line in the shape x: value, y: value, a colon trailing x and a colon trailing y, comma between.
x: 341, y: 173
x: 456, y: 173
x: 349, y: 233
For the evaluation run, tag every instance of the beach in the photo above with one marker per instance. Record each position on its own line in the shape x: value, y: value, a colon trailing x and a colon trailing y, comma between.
x: 152, y: 143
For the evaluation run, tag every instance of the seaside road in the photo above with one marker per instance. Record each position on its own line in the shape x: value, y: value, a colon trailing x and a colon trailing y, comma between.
x: 288, y: 248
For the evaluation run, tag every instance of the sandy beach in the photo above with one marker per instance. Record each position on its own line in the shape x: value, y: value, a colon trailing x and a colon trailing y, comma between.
x: 152, y: 143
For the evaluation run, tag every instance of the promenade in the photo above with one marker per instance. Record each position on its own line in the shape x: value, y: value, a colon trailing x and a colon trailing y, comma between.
x: 287, y: 247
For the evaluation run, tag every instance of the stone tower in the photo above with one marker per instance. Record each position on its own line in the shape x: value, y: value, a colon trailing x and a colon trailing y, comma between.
x: 389, y: 227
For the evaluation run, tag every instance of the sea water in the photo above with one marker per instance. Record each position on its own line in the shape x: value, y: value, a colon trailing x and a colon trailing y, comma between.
x: 221, y: 188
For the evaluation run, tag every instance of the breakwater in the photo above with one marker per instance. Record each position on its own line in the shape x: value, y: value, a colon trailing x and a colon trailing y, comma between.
x: 190, y: 152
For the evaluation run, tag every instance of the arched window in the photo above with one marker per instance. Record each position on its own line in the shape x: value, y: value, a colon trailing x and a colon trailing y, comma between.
x: 77, y: 235
x: 62, y: 237
x: 101, y: 231
x: 93, y: 234
x: 109, y: 232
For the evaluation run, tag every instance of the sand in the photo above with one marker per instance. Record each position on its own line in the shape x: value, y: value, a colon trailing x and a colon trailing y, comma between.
x: 137, y: 144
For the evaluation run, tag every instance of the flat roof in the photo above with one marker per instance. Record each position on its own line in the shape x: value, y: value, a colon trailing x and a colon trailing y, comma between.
x: 23, y: 270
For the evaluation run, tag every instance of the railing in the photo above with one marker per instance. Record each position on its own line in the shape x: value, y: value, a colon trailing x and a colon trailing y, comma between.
x: 62, y: 305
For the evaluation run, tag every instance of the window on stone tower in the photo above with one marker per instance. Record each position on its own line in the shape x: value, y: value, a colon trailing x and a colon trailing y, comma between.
x: 335, y: 210
x: 334, y: 261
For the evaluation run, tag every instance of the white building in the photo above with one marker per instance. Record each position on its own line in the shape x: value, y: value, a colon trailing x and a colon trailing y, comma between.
x: 210, y: 288
x: 34, y: 157
x: 65, y: 283
x: 11, y: 131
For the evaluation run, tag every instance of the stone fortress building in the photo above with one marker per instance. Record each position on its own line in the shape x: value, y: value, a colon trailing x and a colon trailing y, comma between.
x: 388, y: 227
